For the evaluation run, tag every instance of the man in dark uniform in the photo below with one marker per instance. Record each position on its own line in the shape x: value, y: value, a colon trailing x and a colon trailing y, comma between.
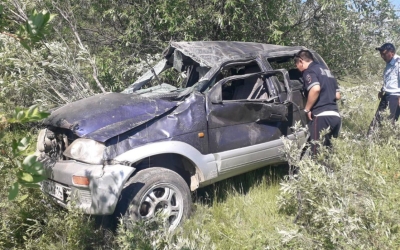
x: 322, y: 91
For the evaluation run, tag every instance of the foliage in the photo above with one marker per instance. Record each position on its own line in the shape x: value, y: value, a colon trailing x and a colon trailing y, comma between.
x: 344, y: 198
x: 105, y: 45
x: 56, y: 73
x: 154, y: 234
x: 99, y: 46
x: 344, y: 32
x: 38, y: 223
x: 341, y: 31
x: 26, y: 29
x: 28, y: 172
x: 50, y: 75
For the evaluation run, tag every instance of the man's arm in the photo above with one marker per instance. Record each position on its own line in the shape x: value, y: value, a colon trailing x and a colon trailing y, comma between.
x: 313, y: 95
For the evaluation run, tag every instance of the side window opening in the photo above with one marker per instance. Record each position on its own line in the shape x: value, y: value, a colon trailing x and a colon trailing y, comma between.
x: 286, y: 62
x: 236, y: 69
x: 252, y: 88
x: 181, y: 72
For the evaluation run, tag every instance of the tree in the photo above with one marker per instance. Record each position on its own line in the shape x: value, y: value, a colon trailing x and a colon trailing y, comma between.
x: 342, y: 31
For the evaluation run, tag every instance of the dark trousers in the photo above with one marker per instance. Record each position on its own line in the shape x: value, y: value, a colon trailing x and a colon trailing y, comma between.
x: 387, y: 100
x: 319, y: 123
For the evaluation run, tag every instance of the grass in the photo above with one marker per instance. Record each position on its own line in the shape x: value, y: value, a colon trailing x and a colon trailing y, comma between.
x: 247, y: 217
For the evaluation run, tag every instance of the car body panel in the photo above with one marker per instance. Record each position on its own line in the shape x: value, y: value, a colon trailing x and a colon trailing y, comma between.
x: 182, y: 124
x: 206, y: 164
x: 104, y: 116
x: 106, y: 183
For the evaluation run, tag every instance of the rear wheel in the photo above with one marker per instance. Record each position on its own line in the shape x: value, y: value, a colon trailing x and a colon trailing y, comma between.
x: 155, y: 190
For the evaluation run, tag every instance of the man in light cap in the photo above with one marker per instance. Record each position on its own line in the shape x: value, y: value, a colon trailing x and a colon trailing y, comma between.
x: 390, y: 92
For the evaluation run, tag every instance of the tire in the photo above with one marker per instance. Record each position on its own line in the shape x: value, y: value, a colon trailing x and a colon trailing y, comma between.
x: 152, y: 190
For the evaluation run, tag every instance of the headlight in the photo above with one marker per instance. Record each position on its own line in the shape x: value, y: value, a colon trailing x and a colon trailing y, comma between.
x: 86, y: 150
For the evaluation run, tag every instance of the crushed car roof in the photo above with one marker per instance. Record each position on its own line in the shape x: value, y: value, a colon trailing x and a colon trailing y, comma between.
x: 210, y: 53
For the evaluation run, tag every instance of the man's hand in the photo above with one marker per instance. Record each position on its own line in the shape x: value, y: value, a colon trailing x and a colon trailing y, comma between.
x: 380, y: 94
x: 309, y: 115
x: 337, y: 95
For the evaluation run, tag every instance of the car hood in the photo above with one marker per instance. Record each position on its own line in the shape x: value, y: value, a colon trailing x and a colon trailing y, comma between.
x: 104, y: 116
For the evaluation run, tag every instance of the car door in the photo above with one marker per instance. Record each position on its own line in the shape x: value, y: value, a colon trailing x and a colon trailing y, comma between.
x: 245, y: 123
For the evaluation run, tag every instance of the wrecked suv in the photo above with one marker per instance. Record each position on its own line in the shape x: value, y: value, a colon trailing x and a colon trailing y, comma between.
x: 144, y: 150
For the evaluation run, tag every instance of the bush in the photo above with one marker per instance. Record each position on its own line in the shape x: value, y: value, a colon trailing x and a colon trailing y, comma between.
x: 344, y: 198
x: 154, y: 234
x: 38, y: 223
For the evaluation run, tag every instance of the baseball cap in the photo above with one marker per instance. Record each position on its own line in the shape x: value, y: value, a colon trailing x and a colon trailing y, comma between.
x: 386, y: 46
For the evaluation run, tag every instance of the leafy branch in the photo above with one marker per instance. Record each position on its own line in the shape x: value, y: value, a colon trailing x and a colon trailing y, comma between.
x: 28, y: 171
x: 30, y: 31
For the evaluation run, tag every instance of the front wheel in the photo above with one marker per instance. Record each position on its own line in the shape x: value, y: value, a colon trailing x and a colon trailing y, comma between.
x: 156, y: 190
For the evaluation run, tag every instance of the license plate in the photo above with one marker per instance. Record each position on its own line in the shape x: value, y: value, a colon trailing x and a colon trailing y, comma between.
x: 53, y: 188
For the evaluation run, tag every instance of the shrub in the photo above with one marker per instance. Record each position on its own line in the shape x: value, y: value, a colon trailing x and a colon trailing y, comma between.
x: 154, y: 234
x: 344, y: 198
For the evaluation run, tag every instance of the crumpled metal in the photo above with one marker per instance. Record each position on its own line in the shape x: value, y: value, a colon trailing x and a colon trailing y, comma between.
x: 104, y: 116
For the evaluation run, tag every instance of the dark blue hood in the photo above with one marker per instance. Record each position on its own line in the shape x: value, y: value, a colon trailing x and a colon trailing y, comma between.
x: 104, y: 116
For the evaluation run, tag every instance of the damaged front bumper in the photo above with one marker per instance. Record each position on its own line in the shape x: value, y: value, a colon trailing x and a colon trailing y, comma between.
x: 100, y: 197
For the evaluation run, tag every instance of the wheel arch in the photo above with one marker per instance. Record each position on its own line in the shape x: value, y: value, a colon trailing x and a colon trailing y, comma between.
x: 178, y: 156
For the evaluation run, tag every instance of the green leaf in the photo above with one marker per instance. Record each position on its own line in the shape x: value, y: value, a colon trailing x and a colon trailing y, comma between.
x: 37, y: 169
x: 13, y: 191
x: 22, y: 198
x: 25, y: 45
x: 28, y: 115
x: 30, y: 185
x: 29, y: 161
x: 48, y: 17
x: 14, y: 146
x: 37, y: 21
x: 20, y: 115
x: 26, y: 177
x: 38, y: 178
x: 24, y: 143
x: 31, y: 111
x: 28, y: 27
x: 32, y: 166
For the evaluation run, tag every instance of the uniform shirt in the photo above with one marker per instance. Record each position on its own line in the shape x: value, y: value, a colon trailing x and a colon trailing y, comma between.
x: 391, y: 79
x: 318, y: 74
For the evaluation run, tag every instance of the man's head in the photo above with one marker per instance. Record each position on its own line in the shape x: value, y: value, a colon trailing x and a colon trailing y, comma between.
x: 302, y: 59
x: 387, y: 51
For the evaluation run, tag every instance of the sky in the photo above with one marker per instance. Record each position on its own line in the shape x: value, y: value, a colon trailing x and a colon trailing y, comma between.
x: 396, y: 3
